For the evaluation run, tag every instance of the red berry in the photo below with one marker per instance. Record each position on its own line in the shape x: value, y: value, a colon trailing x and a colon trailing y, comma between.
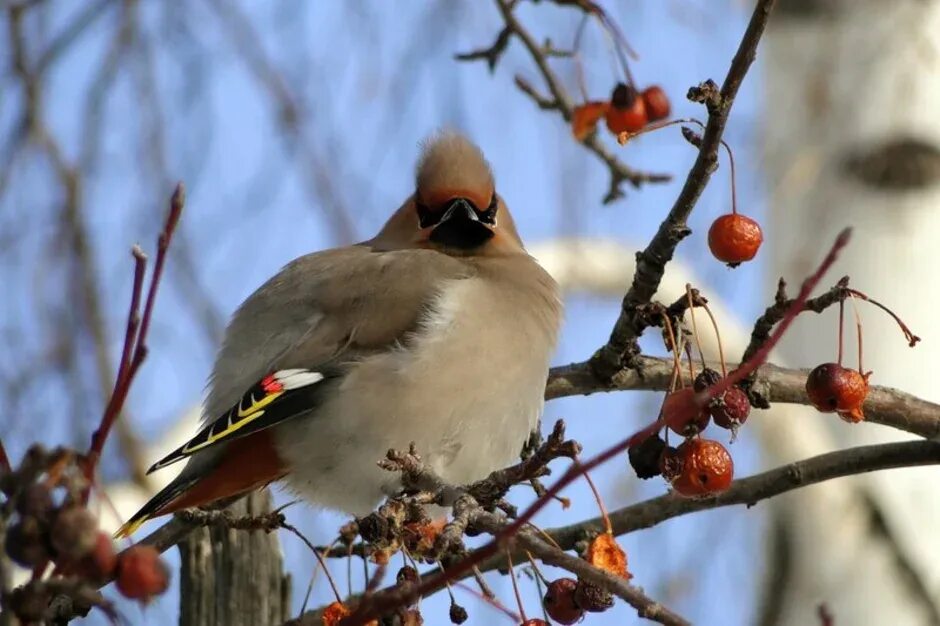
x: 141, y: 573
x: 559, y: 601
x: 627, y: 111
x: 731, y: 409
x: 734, y: 238
x: 657, y: 103
x: 706, y: 468
x: 684, y: 412
x: 100, y: 563
x: 584, y: 118
x: 535, y: 622
x: 833, y: 388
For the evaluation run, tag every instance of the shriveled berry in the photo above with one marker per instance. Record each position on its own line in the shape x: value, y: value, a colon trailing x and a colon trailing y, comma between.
x: 141, y: 573
x: 833, y: 388
x: 657, y: 103
x: 334, y: 613
x: 705, y: 379
x: 35, y: 501
x: 627, y: 111
x: 26, y: 543
x: 407, y: 575
x: 590, y: 597
x: 99, y: 564
x: 731, y: 409
x: 559, y: 601
x: 670, y: 464
x: 535, y: 622
x: 373, y: 527
x: 30, y: 602
x: 644, y: 457
x: 734, y: 238
x: 684, y: 412
x: 706, y: 468
x: 457, y: 614
x: 74, y: 533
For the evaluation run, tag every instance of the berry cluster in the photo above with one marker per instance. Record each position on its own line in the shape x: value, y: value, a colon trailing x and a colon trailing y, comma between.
x: 697, y: 467
x: 50, y: 524
x: 627, y: 111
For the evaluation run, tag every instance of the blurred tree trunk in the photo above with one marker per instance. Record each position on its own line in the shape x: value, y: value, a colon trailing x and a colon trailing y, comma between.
x: 853, y: 138
x: 234, y: 577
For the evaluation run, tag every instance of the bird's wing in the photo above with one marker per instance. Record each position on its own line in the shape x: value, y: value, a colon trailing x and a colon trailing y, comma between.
x: 296, y: 332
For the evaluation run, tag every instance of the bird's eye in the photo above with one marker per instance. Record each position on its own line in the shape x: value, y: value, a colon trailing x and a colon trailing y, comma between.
x: 426, y: 217
x: 488, y: 216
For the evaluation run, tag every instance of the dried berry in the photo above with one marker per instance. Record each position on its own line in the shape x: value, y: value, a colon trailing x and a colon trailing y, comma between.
x: 458, y: 614
x: 705, y: 379
x: 684, y: 412
x: 644, y: 458
x: 30, y: 602
x: 670, y: 464
x: 705, y: 468
x: 535, y: 622
x: 627, y: 111
x: 141, y: 573
x: 74, y: 533
x: 559, y: 601
x: 605, y: 553
x: 590, y: 597
x: 334, y: 613
x: 373, y: 528
x: 731, y: 409
x: 26, y: 543
x: 584, y: 118
x: 35, y: 501
x: 734, y: 238
x: 407, y: 575
x: 657, y: 103
x: 833, y: 388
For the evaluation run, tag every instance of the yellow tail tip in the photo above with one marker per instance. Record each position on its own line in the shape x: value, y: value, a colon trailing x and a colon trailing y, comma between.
x: 129, y: 528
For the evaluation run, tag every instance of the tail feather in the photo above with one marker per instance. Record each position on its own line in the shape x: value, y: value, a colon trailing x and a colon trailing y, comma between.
x: 154, y: 506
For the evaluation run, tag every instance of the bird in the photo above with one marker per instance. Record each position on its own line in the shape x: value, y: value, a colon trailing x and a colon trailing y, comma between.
x: 436, y: 332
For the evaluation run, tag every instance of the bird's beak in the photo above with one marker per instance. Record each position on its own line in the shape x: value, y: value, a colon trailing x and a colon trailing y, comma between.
x: 460, y: 208
x: 460, y: 226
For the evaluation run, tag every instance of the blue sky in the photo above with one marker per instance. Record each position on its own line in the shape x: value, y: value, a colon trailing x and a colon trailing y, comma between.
x: 372, y: 80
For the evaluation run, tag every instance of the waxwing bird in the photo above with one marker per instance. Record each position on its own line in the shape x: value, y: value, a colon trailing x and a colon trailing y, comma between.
x: 437, y: 331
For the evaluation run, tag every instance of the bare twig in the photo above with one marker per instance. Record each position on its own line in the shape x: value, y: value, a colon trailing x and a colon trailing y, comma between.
x: 651, y: 262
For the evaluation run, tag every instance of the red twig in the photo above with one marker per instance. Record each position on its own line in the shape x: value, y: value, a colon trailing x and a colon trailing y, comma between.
x: 135, y: 338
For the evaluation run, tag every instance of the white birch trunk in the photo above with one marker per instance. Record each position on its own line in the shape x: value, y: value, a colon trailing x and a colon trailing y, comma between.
x: 852, y: 136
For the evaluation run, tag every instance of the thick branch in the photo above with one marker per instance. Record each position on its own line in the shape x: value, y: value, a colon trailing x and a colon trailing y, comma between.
x: 884, y: 405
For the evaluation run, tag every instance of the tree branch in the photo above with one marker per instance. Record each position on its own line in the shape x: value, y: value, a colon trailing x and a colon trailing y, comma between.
x: 651, y: 262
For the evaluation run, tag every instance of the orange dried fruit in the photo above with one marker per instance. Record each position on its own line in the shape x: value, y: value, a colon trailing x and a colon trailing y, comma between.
x: 585, y: 117
x: 335, y: 613
x: 605, y: 553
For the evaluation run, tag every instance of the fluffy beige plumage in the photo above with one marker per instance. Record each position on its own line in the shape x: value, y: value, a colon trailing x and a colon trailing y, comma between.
x: 437, y: 331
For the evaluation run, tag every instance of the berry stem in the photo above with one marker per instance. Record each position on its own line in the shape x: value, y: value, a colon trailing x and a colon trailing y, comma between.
x: 316, y: 554
x: 858, y: 329
x: 841, y: 329
x: 721, y: 350
x: 578, y: 65
x: 912, y: 339
x: 676, y: 363
x: 597, y: 496
x: 698, y: 340
x: 515, y: 586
